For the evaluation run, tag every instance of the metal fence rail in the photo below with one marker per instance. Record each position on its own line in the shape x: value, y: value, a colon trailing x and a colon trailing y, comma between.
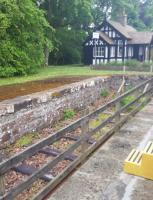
x: 142, y: 93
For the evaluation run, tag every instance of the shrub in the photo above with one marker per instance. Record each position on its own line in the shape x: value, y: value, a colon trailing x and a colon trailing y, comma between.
x: 7, y: 71
x: 112, y: 64
x: 129, y: 63
x: 146, y: 64
x: 104, y: 93
x: 26, y: 140
x: 68, y: 113
x: 132, y: 63
x: 116, y: 63
x: 125, y: 101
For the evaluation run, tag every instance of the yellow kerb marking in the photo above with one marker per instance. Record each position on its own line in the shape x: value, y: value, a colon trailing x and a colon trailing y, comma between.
x: 140, y: 163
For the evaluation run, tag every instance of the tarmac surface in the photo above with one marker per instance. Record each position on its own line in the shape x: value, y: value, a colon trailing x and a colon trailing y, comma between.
x: 102, y: 176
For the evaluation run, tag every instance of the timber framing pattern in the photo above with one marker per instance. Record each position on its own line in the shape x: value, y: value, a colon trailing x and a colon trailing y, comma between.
x: 142, y: 93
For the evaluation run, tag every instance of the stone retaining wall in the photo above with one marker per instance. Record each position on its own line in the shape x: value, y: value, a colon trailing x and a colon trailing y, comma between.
x: 32, y: 112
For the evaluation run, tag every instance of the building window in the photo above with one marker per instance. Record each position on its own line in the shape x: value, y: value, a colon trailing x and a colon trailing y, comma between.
x: 120, y: 42
x: 130, y: 52
x: 120, y: 48
x: 114, y: 35
x: 112, y: 51
x: 116, y: 41
x: 120, y: 51
x: 110, y: 34
x: 140, y: 50
x: 106, y: 28
x: 98, y: 51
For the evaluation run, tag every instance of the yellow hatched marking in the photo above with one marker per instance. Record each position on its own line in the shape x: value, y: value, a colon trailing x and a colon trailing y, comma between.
x: 134, y: 156
x: 137, y: 160
x: 151, y: 152
x: 147, y: 147
x: 140, y: 163
x: 130, y: 155
x: 150, y: 149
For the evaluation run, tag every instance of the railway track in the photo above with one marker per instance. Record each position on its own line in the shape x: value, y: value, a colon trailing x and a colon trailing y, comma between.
x: 79, y: 148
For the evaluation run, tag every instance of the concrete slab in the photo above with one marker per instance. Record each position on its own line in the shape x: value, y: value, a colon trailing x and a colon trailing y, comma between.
x: 102, y: 176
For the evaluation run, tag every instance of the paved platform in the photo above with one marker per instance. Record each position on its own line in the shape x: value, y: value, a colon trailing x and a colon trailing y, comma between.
x: 102, y: 176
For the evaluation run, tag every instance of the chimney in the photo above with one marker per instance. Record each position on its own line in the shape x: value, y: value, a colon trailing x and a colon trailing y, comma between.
x: 122, y: 18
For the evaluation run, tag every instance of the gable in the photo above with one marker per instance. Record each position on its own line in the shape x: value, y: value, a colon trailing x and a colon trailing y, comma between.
x: 115, y: 29
x: 110, y: 31
x: 103, y: 40
x: 124, y: 30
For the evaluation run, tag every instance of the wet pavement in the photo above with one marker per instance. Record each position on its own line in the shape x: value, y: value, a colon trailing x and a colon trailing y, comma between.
x: 102, y: 176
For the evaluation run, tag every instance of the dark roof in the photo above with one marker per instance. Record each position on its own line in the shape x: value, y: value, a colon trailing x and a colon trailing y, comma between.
x: 140, y: 37
x: 132, y: 34
x: 105, y: 37
x: 124, y: 30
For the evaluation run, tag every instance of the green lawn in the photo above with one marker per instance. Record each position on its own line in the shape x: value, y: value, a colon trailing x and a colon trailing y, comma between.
x: 54, y: 71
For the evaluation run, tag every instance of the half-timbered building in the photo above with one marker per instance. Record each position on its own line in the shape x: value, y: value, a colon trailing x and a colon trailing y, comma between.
x: 117, y: 41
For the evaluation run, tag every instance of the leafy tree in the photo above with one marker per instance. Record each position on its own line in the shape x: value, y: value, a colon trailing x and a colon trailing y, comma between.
x: 68, y: 46
x: 109, y: 8
x: 146, y: 13
x: 63, y: 13
x: 139, y: 12
x: 70, y: 19
x: 100, y: 10
x: 24, y: 33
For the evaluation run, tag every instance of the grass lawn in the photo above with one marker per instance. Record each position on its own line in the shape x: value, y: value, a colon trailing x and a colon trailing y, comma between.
x: 54, y: 71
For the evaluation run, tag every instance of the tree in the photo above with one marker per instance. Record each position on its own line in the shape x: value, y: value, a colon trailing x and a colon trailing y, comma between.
x: 100, y: 10
x: 24, y: 32
x: 109, y: 8
x: 70, y: 19
x: 139, y: 12
x: 146, y: 13
x: 68, y: 46
x: 67, y: 12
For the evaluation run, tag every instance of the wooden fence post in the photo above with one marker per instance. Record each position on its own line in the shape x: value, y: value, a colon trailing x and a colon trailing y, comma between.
x: 137, y: 93
x: 84, y: 130
x: 120, y: 91
x: 2, y: 183
x: 146, y: 88
x: 118, y: 106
